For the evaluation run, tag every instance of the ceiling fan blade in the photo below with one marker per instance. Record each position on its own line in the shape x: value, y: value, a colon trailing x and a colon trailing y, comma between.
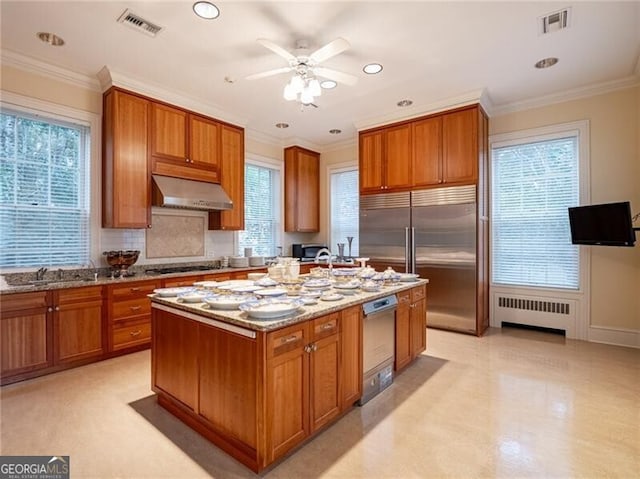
x: 331, y: 49
x: 335, y: 75
x: 277, y: 71
x: 277, y: 49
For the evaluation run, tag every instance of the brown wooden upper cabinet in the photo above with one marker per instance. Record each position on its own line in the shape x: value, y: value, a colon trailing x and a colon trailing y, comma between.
x: 385, y: 159
x: 184, y: 144
x: 231, y: 180
x: 125, y: 174
x: 445, y: 149
x: 301, y: 190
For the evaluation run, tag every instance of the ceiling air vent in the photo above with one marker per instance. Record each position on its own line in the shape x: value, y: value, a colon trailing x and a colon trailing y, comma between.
x: 555, y: 21
x: 138, y: 23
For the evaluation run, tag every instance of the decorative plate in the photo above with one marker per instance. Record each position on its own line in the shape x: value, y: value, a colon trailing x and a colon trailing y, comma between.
x: 170, y: 292
x: 227, y: 301
x: 206, y: 284
x: 331, y: 297
x: 245, y: 289
x: 193, y: 296
x: 270, y: 308
x: 317, y: 284
x: 272, y: 292
x: 406, y: 277
x: 234, y: 283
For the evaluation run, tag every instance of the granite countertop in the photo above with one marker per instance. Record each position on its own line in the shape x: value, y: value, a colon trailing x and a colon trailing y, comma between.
x: 202, y: 312
x: 6, y: 288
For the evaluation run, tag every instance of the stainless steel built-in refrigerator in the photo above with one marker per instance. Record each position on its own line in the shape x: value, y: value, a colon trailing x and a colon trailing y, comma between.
x: 433, y: 233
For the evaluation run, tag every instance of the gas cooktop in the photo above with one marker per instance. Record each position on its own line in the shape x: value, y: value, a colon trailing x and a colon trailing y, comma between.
x: 179, y: 269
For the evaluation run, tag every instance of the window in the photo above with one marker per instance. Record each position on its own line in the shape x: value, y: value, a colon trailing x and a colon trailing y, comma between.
x: 44, y: 191
x: 344, y: 210
x: 534, y: 181
x: 261, y: 220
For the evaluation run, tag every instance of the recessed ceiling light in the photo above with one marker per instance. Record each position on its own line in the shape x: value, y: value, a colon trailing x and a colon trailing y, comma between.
x: 335, y: 131
x: 282, y: 125
x: 546, y: 62
x: 206, y: 10
x: 372, y: 68
x: 51, y: 38
x: 403, y: 103
x: 328, y: 84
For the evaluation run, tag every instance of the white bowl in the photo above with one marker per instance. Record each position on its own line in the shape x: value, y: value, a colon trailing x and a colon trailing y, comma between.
x: 255, y: 276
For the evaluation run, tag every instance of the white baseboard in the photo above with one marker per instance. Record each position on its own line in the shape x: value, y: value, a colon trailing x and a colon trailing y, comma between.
x: 618, y: 337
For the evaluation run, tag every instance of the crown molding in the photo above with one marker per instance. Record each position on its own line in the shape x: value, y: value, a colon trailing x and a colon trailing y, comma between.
x: 109, y: 77
x: 297, y: 141
x: 568, y: 95
x: 37, y: 67
x: 261, y: 137
x: 340, y: 145
x: 415, y: 111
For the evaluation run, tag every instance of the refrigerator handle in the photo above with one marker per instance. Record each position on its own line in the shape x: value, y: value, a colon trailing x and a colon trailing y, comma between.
x: 413, y: 250
x: 407, y: 251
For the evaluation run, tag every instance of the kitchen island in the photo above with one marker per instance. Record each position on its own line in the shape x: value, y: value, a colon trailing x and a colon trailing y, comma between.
x: 258, y: 389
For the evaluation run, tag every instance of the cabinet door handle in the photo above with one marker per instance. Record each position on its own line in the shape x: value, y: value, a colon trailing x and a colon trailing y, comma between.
x: 50, y: 309
x: 57, y: 308
x: 136, y: 333
x: 290, y: 339
x: 134, y: 290
x: 326, y: 326
x: 135, y: 308
x: 314, y: 347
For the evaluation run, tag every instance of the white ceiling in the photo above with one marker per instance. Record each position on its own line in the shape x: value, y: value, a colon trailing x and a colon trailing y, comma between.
x: 434, y: 53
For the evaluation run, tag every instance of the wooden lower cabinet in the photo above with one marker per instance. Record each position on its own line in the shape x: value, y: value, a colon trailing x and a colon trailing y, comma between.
x: 411, y: 326
x: 77, y: 324
x: 25, y: 332
x: 257, y: 395
x: 176, y: 368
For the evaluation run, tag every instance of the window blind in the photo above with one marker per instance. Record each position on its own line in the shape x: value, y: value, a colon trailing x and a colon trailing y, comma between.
x: 44, y: 192
x: 260, y: 211
x: 344, y: 210
x: 533, y: 184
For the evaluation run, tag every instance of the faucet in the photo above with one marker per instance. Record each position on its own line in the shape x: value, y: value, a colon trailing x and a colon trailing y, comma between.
x: 60, y: 274
x: 92, y: 266
x: 40, y: 273
x: 323, y: 253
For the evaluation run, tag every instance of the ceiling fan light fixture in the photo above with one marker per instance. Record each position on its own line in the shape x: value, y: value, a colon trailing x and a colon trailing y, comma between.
x: 289, y: 93
x: 206, y: 10
x: 306, y: 97
x: 328, y: 84
x: 372, y: 68
x: 297, y: 83
x: 314, y: 87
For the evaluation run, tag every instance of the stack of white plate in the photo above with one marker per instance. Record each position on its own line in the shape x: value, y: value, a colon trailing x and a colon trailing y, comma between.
x: 256, y: 260
x: 238, y: 262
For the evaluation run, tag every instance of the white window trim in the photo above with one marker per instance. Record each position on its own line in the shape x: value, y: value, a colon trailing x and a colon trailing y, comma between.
x: 55, y: 111
x: 266, y: 162
x: 334, y: 168
x: 582, y: 295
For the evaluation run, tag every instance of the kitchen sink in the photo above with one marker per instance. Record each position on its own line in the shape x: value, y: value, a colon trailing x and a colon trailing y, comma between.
x: 48, y: 282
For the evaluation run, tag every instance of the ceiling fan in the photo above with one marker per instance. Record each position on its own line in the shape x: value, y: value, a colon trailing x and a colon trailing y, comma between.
x: 304, y: 84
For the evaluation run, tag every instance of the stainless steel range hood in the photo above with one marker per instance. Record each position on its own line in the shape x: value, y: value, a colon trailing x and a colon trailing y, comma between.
x: 173, y: 192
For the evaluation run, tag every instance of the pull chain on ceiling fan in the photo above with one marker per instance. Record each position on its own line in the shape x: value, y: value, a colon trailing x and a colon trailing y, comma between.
x: 304, y: 85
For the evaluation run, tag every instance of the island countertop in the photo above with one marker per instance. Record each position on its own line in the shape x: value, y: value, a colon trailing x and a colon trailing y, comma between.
x: 201, y: 312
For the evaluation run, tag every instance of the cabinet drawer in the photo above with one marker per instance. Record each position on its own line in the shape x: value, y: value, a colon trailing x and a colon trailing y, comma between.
x: 21, y: 301
x: 418, y: 293
x: 75, y: 295
x: 325, y: 326
x: 404, y: 298
x: 130, y: 308
x: 131, y: 334
x: 286, y: 339
x: 179, y: 282
x: 133, y: 289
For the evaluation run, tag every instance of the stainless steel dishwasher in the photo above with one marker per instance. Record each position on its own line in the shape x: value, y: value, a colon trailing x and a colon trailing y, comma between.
x: 378, y: 346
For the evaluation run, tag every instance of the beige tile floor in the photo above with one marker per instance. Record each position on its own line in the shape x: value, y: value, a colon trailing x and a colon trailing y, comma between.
x: 511, y: 404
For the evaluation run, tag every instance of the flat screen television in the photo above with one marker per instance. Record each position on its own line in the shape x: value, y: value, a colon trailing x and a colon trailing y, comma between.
x: 607, y: 224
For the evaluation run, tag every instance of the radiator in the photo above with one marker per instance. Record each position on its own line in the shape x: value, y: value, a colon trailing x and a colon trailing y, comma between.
x: 555, y: 313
